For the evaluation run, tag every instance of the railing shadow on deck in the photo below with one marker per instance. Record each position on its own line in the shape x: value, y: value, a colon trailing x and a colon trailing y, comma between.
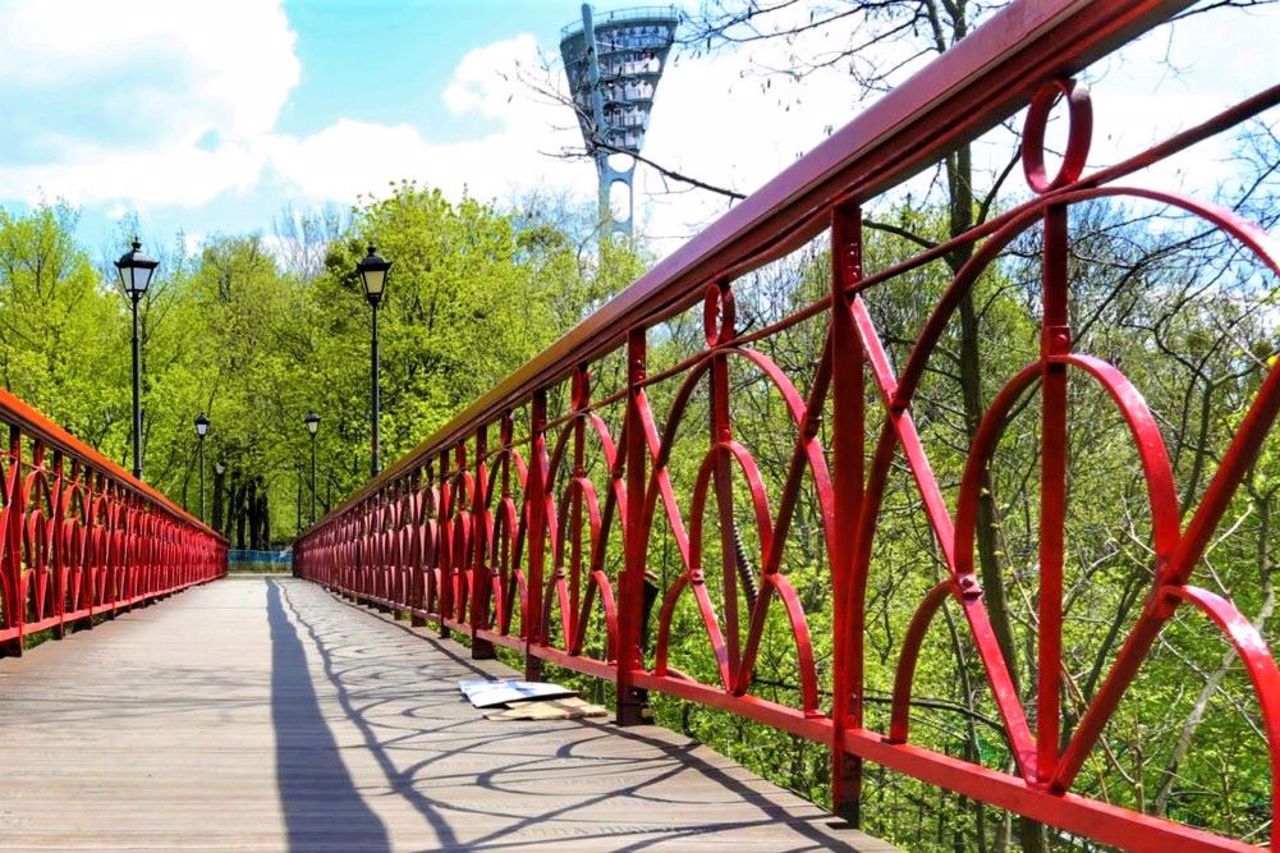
x: 321, y: 804
x: 396, y: 676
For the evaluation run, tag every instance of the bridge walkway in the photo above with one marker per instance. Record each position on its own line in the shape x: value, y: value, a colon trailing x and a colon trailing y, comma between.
x: 265, y: 714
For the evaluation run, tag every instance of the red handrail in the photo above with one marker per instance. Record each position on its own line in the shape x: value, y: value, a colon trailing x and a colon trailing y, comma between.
x: 81, y: 537
x: 973, y: 86
x: 17, y: 412
x: 472, y: 534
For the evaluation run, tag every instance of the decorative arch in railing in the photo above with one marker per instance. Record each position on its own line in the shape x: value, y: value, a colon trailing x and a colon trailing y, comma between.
x: 514, y: 545
x: 80, y: 538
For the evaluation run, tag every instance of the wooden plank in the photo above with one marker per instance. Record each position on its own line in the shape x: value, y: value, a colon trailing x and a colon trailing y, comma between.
x: 263, y: 714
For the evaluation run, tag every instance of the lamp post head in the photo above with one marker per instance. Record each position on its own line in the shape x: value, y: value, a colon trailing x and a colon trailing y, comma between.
x: 202, y: 425
x: 373, y: 269
x: 135, y: 271
x: 312, y: 420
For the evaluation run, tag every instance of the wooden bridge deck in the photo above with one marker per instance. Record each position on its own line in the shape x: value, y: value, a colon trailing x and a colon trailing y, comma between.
x: 265, y: 714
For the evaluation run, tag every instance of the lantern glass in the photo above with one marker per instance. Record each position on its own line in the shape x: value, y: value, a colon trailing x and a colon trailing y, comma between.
x: 373, y: 269
x: 202, y: 425
x: 135, y: 271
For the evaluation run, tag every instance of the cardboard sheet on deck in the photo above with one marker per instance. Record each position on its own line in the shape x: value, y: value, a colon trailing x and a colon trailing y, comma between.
x: 490, y: 693
x: 569, y: 708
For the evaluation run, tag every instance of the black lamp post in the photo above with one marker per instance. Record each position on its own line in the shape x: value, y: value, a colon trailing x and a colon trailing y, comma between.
x: 202, y: 429
x: 373, y: 270
x: 312, y: 420
x: 135, y: 274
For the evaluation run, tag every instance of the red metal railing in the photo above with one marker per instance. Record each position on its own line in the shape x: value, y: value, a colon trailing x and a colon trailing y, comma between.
x: 82, y: 537
x: 468, y: 532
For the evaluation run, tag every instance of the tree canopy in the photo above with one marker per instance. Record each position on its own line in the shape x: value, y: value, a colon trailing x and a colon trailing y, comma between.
x: 251, y: 331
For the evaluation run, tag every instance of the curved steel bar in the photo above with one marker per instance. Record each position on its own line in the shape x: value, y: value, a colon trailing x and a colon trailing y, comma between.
x: 1261, y: 666
x: 912, y: 641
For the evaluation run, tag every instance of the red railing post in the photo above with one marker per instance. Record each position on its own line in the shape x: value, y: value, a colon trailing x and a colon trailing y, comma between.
x: 15, y: 605
x: 481, y: 649
x: 115, y: 546
x: 393, y: 543
x: 130, y: 558
x: 504, y: 556
x: 408, y: 538
x: 631, y: 702
x: 418, y: 536
x: 444, y: 546
x: 359, y: 550
x: 1055, y: 341
x: 847, y: 440
x: 366, y: 579
x: 95, y: 544
x: 384, y: 535
x: 536, y: 524
x: 719, y: 425
x: 58, y: 557
x: 82, y: 477
x: 460, y: 565
x: 571, y: 547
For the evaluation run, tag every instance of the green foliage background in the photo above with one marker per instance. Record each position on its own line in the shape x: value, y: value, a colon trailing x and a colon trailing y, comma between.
x: 244, y: 330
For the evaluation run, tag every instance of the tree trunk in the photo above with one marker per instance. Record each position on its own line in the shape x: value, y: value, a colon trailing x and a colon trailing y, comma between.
x: 960, y: 209
x: 242, y: 492
x: 259, y: 525
x: 217, y: 498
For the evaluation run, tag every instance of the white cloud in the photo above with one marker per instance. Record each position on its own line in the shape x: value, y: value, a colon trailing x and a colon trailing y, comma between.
x: 718, y: 118
x: 206, y: 115
x: 188, y: 67
x: 506, y: 154
x: 486, y: 81
x: 1176, y: 77
x: 161, y: 102
x: 181, y: 175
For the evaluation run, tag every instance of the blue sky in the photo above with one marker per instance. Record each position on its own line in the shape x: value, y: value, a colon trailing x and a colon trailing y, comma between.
x: 416, y: 45
x: 208, y: 118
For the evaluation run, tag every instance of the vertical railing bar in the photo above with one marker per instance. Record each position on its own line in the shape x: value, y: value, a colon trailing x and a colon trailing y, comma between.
x: 13, y: 554
x: 57, y: 557
x: 535, y: 506
x: 721, y: 433
x: 418, y: 536
x: 481, y: 649
x: 444, y: 546
x: 1055, y: 340
x: 848, y: 447
x: 630, y: 704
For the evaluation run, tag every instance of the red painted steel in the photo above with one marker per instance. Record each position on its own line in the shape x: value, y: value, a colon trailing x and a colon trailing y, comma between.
x: 522, y: 548
x: 82, y: 538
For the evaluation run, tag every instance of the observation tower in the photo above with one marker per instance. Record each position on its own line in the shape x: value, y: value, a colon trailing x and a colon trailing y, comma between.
x: 614, y: 62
